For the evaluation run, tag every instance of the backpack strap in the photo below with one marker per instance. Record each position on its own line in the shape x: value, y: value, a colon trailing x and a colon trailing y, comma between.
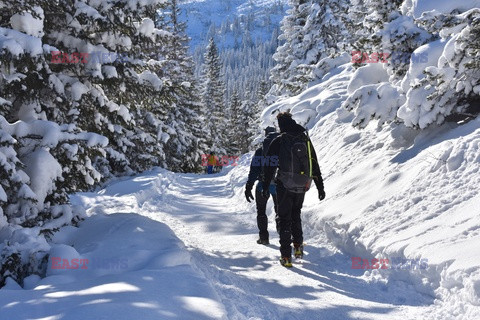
x: 309, y: 148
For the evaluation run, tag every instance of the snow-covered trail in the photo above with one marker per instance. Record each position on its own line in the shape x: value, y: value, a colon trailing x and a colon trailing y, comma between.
x: 209, y: 217
x: 186, y: 247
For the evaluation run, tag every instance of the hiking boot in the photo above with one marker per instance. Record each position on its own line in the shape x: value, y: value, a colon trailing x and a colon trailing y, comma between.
x: 263, y: 241
x: 286, y: 262
x: 298, y: 250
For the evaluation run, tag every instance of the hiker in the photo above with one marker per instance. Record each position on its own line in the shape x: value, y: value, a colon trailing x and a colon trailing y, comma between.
x: 211, y: 162
x: 297, y: 166
x: 259, y: 159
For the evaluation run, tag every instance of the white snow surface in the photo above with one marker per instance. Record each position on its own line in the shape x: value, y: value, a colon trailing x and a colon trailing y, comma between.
x: 25, y: 22
x: 182, y: 246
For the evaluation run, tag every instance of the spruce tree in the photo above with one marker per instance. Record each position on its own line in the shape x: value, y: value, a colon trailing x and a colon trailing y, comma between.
x: 187, y: 121
x: 386, y: 31
x: 235, y: 124
x: 213, y: 98
x: 312, y: 31
x: 290, y: 55
x: 60, y: 102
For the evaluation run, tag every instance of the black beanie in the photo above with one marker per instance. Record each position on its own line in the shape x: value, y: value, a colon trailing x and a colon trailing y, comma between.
x: 269, y: 130
x: 285, y: 123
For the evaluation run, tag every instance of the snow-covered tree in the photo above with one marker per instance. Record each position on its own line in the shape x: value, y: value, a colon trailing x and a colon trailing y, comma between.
x: 452, y: 88
x: 291, y: 53
x: 60, y: 105
x: 384, y: 30
x: 385, y: 42
x: 235, y: 124
x: 312, y: 31
x: 17, y: 200
x: 213, y: 98
x: 188, y: 134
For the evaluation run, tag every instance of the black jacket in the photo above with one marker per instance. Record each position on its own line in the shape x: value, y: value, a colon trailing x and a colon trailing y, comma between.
x: 255, y: 169
x: 274, y: 151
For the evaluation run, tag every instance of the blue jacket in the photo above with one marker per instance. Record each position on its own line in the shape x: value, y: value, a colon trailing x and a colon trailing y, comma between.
x: 256, y: 171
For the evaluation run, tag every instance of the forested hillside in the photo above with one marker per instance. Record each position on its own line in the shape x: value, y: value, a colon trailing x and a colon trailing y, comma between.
x: 88, y: 91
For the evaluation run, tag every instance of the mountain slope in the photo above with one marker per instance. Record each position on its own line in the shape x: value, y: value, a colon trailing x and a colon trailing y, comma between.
x: 231, y: 20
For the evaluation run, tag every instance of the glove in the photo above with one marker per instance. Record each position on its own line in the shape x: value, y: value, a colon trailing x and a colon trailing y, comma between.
x: 321, y: 194
x: 248, y: 192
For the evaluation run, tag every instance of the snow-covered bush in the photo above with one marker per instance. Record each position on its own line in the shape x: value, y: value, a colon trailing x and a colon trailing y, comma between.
x: 40, y: 167
x: 371, y: 96
x: 452, y: 87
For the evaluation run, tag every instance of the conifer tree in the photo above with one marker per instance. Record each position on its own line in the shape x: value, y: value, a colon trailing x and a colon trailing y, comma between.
x: 235, y: 124
x: 384, y: 31
x: 213, y: 98
x: 312, y: 31
x: 289, y: 55
x: 187, y: 119
x: 59, y: 103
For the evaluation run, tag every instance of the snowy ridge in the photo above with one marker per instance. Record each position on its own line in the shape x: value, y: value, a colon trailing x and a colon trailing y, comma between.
x: 202, y: 15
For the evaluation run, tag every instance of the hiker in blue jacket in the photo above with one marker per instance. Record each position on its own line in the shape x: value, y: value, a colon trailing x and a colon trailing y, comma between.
x: 256, y: 172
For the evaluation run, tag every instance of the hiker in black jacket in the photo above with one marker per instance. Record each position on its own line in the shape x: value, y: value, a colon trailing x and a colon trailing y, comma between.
x: 291, y: 188
x: 256, y: 173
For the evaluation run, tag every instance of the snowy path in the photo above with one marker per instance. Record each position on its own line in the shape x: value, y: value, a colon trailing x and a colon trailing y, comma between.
x: 186, y: 246
x: 206, y: 215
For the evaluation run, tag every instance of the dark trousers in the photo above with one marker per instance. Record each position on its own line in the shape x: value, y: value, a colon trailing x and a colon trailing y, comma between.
x: 290, y: 222
x: 262, y: 220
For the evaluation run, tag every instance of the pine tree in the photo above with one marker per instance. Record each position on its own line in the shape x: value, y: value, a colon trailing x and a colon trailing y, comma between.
x: 386, y: 30
x: 312, y: 31
x: 213, y: 98
x: 35, y: 92
x: 60, y: 102
x: 235, y: 124
x: 289, y: 55
x: 186, y: 119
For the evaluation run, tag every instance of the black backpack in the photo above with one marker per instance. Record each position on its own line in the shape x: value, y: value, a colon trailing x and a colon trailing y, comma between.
x: 295, y: 162
x: 266, y: 142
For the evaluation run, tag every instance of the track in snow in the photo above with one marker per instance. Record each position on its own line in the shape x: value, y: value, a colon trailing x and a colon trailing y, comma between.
x: 220, y: 233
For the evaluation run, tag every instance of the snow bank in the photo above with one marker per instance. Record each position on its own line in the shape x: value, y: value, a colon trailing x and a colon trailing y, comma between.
x: 395, y: 192
x: 120, y: 266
